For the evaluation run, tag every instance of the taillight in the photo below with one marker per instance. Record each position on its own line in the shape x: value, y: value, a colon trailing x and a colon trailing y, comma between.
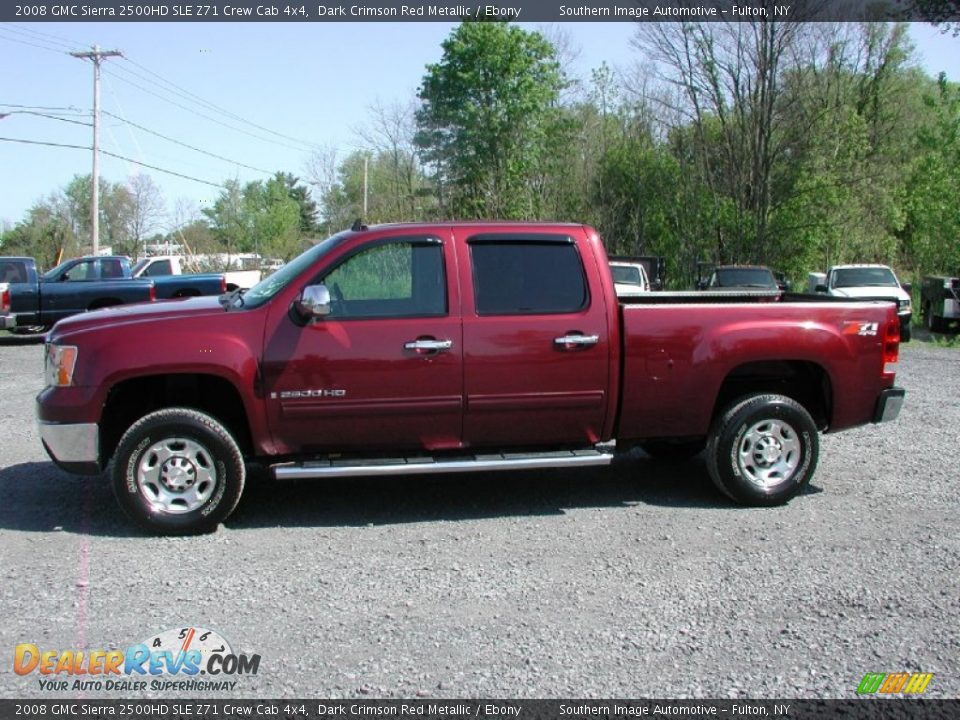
x: 153, y: 293
x: 5, y: 300
x: 891, y: 347
x: 223, y: 284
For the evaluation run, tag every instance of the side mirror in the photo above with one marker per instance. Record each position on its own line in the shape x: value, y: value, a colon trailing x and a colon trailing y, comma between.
x: 701, y: 284
x: 820, y: 289
x: 907, y: 287
x: 314, y: 302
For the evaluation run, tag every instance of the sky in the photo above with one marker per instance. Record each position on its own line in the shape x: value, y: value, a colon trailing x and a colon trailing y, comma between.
x: 261, y: 97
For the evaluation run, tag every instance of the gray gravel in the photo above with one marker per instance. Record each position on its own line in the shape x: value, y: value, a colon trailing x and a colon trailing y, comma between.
x: 638, y: 580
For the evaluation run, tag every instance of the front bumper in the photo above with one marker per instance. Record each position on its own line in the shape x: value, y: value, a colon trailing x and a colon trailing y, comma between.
x: 75, y: 447
x: 889, y: 404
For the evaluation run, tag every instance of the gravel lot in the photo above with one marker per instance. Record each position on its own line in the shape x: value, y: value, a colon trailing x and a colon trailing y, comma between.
x: 634, y: 581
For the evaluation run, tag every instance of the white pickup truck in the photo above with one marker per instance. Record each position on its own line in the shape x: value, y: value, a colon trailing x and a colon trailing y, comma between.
x: 158, y: 265
x: 874, y: 282
x: 629, y: 278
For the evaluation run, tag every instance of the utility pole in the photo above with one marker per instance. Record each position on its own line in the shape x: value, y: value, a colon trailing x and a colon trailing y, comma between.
x: 365, y: 185
x: 97, y: 56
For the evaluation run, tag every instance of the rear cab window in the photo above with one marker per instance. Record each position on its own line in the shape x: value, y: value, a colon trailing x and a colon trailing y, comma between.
x: 527, y: 275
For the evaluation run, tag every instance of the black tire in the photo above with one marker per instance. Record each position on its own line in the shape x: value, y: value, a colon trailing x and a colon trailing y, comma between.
x: 673, y: 451
x: 178, y: 472
x: 905, y: 333
x: 931, y: 321
x: 763, y: 450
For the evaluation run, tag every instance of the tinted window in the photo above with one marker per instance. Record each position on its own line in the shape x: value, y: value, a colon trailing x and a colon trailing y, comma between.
x: 13, y: 272
x: 513, y: 278
x: 625, y: 274
x: 395, y: 279
x: 158, y: 268
x: 860, y: 277
x: 111, y: 269
x: 743, y: 277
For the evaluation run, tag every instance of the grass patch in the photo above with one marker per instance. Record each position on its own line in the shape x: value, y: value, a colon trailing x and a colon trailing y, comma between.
x: 945, y: 341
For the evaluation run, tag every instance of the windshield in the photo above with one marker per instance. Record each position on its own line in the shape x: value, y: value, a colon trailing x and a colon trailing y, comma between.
x: 271, y: 285
x: 626, y: 274
x: 864, y: 277
x: 743, y: 277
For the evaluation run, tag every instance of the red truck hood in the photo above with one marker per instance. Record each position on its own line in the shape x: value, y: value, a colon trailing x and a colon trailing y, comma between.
x: 141, y: 312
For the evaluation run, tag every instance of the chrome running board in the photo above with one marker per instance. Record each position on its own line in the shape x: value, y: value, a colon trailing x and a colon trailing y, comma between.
x: 359, y: 467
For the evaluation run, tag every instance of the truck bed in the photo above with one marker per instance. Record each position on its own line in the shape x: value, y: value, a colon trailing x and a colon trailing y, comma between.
x: 673, y: 358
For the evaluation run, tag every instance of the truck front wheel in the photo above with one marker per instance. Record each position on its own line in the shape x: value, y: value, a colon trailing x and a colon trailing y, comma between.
x: 763, y: 450
x: 178, y: 472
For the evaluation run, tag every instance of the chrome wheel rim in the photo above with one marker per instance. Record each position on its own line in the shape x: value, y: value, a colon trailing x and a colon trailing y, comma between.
x: 769, y: 453
x: 176, y: 476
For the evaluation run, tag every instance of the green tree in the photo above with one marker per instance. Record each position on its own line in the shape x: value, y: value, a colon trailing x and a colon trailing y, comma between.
x: 487, y: 111
x: 932, y: 236
x: 261, y: 217
x: 117, y: 208
x: 300, y: 193
x: 46, y: 234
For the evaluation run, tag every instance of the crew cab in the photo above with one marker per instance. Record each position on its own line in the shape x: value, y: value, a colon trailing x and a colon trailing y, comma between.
x: 33, y: 302
x: 454, y: 347
x: 869, y: 281
x: 162, y: 266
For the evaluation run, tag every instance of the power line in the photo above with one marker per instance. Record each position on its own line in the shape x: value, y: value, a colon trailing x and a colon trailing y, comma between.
x: 189, y: 147
x: 44, y: 115
x: 24, y: 42
x: 74, y: 110
x: 217, y: 108
x: 54, y: 39
x: 200, y: 114
x: 113, y: 155
x: 163, y: 170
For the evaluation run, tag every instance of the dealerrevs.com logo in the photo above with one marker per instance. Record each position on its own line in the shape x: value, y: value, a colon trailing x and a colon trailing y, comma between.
x: 185, y: 659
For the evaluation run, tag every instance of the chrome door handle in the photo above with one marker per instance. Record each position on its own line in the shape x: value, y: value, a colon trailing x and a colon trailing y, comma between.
x: 576, y: 340
x: 429, y: 345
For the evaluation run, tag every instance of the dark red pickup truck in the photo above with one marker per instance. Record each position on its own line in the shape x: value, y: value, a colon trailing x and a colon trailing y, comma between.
x: 449, y: 348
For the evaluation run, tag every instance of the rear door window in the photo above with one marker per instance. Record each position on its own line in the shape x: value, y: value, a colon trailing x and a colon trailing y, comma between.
x: 527, y: 276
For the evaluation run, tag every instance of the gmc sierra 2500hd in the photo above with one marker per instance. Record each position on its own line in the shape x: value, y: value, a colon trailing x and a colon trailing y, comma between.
x: 443, y: 348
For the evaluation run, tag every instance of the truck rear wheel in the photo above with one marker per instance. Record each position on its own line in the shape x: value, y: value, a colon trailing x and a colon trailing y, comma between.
x: 931, y: 321
x: 763, y: 450
x: 178, y: 472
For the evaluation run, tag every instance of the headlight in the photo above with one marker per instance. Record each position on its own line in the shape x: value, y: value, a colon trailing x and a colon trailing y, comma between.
x: 904, y: 305
x: 59, y: 362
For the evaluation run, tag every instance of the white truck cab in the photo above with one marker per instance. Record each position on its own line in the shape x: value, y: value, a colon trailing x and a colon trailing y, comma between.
x: 156, y: 265
x: 629, y: 278
x: 869, y: 282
